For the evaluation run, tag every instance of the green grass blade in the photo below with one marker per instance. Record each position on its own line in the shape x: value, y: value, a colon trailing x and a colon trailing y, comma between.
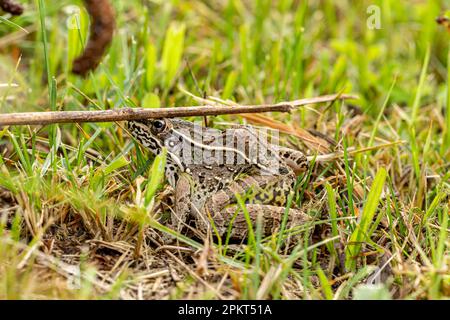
x: 172, y: 52
x: 361, y: 231
x: 418, y: 95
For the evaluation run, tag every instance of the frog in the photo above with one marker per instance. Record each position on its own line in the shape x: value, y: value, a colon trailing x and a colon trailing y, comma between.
x: 210, y: 170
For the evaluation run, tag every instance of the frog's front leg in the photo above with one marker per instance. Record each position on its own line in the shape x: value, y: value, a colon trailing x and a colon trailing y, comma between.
x: 187, y: 204
x: 180, y: 213
x: 179, y: 216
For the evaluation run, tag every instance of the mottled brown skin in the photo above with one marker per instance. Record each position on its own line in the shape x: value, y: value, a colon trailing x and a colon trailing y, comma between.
x: 101, y: 33
x: 214, y: 201
x: 206, y: 194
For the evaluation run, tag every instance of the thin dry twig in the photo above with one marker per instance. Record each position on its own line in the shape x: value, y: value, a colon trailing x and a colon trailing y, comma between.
x: 50, y: 117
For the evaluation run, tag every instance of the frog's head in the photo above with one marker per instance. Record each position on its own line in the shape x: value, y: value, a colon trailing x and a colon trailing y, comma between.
x: 152, y: 134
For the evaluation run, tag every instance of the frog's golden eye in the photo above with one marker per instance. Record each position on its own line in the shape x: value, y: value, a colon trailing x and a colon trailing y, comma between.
x: 158, y: 126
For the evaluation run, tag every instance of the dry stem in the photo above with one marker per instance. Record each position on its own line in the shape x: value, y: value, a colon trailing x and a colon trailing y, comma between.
x: 49, y: 117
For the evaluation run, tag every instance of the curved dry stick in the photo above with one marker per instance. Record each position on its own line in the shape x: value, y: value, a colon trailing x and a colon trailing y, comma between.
x: 11, y: 7
x: 101, y: 33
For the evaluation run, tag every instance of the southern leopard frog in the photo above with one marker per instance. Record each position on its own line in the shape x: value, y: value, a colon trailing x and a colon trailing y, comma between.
x: 208, y: 167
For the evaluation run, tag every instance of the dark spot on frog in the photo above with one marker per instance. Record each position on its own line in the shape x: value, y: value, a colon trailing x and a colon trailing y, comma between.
x: 284, y: 170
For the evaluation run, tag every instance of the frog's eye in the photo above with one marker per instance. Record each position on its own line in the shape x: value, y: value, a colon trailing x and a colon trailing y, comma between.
x: 158, y: 126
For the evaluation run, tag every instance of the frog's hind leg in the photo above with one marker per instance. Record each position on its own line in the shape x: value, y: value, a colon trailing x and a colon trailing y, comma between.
x: 232, y: 219
x: 264, y: 195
